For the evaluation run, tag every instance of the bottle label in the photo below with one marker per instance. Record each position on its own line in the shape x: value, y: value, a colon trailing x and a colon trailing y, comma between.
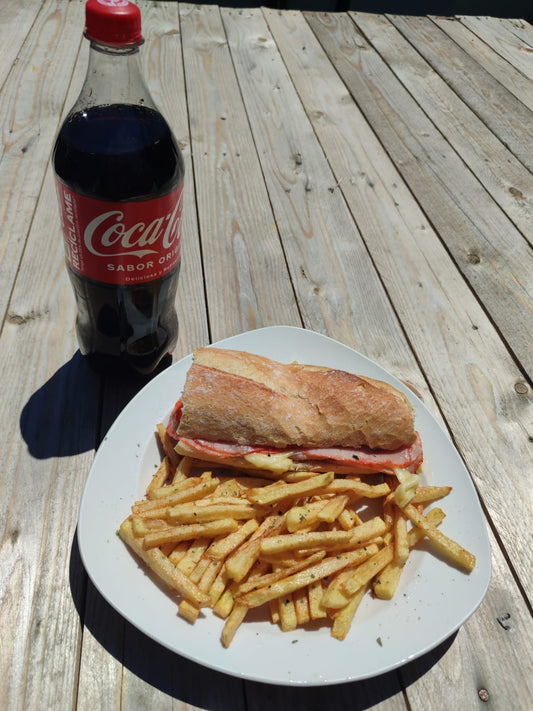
x: 121, y: 242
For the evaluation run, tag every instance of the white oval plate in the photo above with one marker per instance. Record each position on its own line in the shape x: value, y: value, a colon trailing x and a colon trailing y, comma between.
x: 434, y: 599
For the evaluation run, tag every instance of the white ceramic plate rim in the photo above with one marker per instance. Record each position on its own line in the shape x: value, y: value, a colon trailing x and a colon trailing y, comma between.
x: 434, y: 598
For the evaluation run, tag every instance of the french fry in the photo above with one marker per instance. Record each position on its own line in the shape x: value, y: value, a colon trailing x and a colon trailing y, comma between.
x: 334, y: 595
x: 366, y: 571
x: 426, y: 494
x: 304, y: 516
x: 175, y: 534
x: 301, y: 606
x: 453, y: 550
x: 386, y: 584
x: 284, y: 587
x: 157, y: 511
x: 193, y: 554
x: 195, y: 512
x: 199, y: 569
x: 287, y: 614
x: 343, y: 620
x: 161, y: 475
x: 274, y: 611
x: 333, y: 508
x: 302, y: 541
x: 179, y: 551
x: 226, y: 601
x: 356, y: 488
x: 222, y: 547
x: 188, y: 611
x: 162, y: 567
x: 205, y: 480
x: 388, y: 510
x: 168, y: 445
x: 271, y: 494
x: 218, y: 586
x: 305, y: 544
x: 348, y: 519
x: 141, y: 526
x: 189, y: 490
x: 280, y: 573
x: 315, y: 593
x: 434, y: 518
x: 233, y: 621
x: 241, y: 562
x: 369, y: 529
x: 183, y: 469
x: 401, y: 543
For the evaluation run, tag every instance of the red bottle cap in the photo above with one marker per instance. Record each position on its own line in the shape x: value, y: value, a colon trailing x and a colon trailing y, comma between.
x: 113, y: 22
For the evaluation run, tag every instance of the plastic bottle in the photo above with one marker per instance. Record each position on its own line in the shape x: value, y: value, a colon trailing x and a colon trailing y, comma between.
x: 119, y: 176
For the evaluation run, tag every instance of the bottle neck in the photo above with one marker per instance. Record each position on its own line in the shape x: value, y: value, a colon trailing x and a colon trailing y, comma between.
x: 113, y: 77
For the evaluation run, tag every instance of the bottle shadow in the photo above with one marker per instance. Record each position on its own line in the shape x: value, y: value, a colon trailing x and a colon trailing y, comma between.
x: 72, y: 411
x: 211, y: 690
x: 61, y: 418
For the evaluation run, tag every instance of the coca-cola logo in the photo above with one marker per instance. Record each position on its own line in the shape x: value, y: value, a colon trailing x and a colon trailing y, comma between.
x: 107, y: 234
x: 121, y: 242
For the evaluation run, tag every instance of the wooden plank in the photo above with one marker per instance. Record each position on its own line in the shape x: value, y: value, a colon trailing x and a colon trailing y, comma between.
x: 16, y: 19
x: 246, y: 278
x: 32, y: 98
x: 481, y: 238
x: 100, y: 680
x: 503, y: 37
x: 338, y: 290
x: 476, y: 382
x: 503, y: 177
x: 490, y: 106
x: 42, y: 475
x: 491, y: 657
x: 521, y: 28
x: 484, y: 55
x: 41, y: 484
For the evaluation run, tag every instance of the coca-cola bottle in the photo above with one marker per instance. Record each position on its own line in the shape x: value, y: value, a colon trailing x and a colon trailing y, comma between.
x: 119, y: 177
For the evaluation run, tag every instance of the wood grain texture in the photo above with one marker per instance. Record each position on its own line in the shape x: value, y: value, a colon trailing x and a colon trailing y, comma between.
x: 348, y: 172
x: 245, y: 273
x: 494, y: 116
x: 338, y: 287
x: 480, y: 237
x: 487, y: 57
x: 511, y: 39
x: 47, y: 438
x: 16, y: 19
x: 32, y: 99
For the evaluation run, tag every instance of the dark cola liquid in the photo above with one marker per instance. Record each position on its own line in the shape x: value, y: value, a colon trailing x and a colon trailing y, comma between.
x: 121, y: 153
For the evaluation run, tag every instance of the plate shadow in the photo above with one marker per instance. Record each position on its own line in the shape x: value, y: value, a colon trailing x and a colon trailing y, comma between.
x: 210, y: 690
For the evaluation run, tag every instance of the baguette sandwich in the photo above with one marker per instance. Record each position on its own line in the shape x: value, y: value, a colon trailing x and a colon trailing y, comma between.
x: 252, y: 413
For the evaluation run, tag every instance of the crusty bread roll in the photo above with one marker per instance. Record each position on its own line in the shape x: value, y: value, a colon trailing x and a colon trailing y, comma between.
x: 236, y: 397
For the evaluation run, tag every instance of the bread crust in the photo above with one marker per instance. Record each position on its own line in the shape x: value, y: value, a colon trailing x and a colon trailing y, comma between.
x: 242, y: 398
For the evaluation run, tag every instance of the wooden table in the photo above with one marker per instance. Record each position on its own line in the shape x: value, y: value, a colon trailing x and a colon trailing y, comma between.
x: 368, y: 177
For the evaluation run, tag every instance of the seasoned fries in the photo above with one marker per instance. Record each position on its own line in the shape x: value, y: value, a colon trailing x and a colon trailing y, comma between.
x: 308, y: 547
